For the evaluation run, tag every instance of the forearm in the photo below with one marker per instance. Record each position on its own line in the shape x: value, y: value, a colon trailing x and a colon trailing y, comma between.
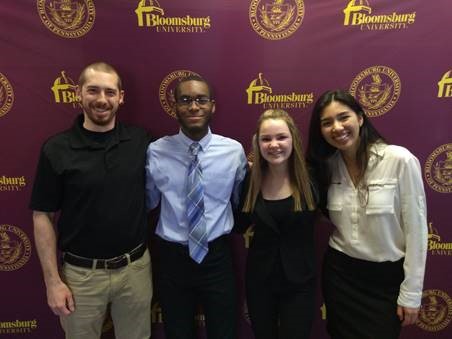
x: 45, y: 241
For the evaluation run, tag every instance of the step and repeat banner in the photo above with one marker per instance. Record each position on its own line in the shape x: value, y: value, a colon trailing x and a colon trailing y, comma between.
x: 394, y: 56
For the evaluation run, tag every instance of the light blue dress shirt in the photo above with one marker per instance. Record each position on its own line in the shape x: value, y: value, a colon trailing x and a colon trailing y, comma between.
x: 223, y: 163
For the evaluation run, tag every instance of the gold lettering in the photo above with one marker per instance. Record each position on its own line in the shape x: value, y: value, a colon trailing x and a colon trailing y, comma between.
x: 445, y: 85
x: 189, y: 22
x: 439, y: 246
x: 323, y: 311
x: 259, y: 97
x: 248, y: 235
x: 18, y: 326
x: 359, y: 17
x: 448, y: 92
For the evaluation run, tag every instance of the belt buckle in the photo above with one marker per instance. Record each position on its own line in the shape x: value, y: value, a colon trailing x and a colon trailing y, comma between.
x: 115, y: 263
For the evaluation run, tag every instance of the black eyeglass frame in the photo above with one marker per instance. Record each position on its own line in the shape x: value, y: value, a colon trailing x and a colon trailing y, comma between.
x: 186, y: 100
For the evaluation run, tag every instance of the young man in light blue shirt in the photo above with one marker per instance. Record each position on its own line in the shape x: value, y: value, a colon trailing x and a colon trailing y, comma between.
x: 195, y: 176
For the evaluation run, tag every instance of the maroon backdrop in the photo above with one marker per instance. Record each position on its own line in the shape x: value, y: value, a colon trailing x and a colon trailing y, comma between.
x: 395, y: 57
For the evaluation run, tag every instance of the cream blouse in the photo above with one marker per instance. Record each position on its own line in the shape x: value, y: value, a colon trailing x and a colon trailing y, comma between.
x: 385, y: 218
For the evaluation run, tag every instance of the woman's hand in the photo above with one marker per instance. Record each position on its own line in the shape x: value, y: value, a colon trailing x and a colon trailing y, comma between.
x: 407, y: 315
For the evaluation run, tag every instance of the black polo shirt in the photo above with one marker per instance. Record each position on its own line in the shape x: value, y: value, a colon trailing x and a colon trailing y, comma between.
x: 97, y: 184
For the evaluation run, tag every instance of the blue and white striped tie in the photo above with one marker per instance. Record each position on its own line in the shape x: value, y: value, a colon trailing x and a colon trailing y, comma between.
x: 197, y: 236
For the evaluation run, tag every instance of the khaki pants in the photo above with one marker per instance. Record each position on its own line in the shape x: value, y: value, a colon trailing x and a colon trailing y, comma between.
x: 128, y: 290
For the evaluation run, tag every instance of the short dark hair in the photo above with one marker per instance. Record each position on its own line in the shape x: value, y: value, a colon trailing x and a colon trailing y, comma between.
x: 192, y: 77
x: 100, y: 66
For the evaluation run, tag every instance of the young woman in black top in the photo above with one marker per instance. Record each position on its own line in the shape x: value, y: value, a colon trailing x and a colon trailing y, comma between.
x: 278, y: 200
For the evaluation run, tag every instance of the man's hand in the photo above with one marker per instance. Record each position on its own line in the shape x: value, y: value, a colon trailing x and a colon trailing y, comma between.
x: 59, y: 298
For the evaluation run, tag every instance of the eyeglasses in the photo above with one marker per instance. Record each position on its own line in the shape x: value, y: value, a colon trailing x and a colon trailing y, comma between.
x: 187, y: 101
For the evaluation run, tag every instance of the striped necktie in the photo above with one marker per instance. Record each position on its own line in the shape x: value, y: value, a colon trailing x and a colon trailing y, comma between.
x: 197, y: 236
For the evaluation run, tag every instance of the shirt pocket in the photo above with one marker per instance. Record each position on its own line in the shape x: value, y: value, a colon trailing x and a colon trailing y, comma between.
x: 381, y: 196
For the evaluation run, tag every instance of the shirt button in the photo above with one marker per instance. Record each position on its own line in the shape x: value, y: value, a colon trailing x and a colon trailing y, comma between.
x: 354, y: 217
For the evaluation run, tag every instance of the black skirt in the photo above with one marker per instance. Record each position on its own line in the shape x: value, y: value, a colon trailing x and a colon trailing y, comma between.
x: 361, y: 297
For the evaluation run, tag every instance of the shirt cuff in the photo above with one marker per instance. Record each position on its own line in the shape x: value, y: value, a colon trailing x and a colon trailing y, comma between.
x: 409, y: 299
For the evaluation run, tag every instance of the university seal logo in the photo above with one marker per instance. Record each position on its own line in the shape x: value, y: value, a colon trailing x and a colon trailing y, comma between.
x: 445, y: 85
x: 436, y: 311
x: 377, y: 89
x: 6, y: 95
x: 166, y: 90
x: 438, y: 169
x: 67, y: 18
x: 15, y: 248
x: 64, y: 90
x: 276, y: 20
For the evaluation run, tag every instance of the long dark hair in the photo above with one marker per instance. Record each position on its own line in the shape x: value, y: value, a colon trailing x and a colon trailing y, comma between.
x: 319, y: 150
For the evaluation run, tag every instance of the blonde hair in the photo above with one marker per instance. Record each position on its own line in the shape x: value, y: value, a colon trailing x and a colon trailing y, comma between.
x: 298, y: 173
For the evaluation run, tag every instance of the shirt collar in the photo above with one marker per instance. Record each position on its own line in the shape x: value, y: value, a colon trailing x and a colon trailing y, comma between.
x: 376, y: 152
x: 78, y: 139
x: 204, y: 142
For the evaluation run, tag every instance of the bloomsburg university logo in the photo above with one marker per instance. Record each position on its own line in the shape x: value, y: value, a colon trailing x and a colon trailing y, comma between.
x: 18, y: 326
x: 259, y: 92
x: 445, y: 85
x: 151, y: 14
x: 12, y: 184
x: 63, y: 90
x: 360, y: 13
x: 435, y: 245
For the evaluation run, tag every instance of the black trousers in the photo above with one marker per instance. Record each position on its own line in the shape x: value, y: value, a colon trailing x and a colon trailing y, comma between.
x: 183, y: 285
x: 279, y: 308
x: 361, y: 297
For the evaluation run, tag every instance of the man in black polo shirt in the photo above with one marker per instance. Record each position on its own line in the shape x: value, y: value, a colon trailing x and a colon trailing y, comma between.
x: 93, y: 174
